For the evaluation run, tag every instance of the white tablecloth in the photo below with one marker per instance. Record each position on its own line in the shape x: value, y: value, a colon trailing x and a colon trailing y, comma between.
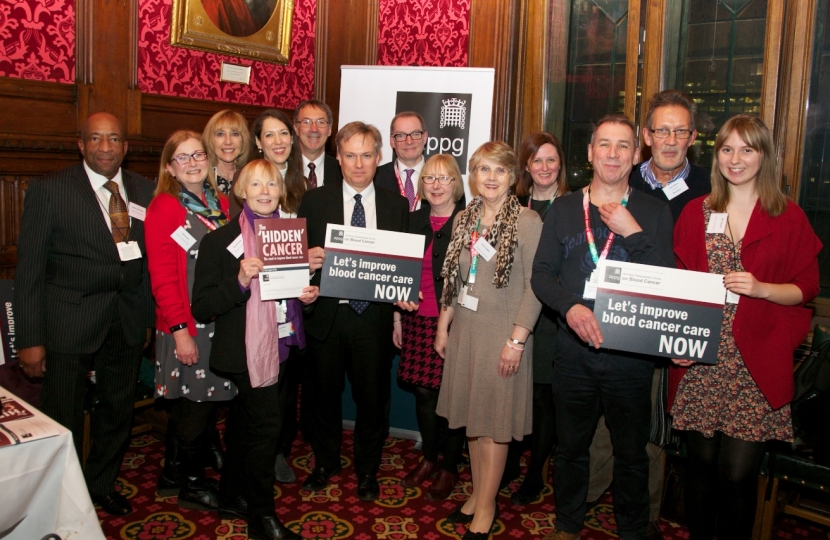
x: 42, y: 490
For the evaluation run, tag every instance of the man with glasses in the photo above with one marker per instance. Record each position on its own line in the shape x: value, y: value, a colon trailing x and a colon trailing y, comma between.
x: 82, y: 297
x: 408, y: 138
x: 312, y: 120
x: 668, y: 175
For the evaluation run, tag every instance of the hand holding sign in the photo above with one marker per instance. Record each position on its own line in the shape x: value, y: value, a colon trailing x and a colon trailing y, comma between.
x: 249, y: 269
x: 582, y: 321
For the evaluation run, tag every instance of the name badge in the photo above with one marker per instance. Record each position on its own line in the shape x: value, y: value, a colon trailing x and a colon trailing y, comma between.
x: 673, y: 189
x: 484, y: 249
x: 717, y: 223
x: 590, y: 291
x: 128, y: 251
x: 732, y: 298
x: 236, y: 247
x: 286, y: 330
x: 467, y: 300
x: 136, y: 211
x: 183, y: 238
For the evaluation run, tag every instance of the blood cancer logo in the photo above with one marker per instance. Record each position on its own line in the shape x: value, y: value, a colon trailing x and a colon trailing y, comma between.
x: 447, y: 117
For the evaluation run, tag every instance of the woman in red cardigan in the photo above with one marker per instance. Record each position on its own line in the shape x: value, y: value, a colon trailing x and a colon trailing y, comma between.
x: 767, y: 252
x: 186, y: 207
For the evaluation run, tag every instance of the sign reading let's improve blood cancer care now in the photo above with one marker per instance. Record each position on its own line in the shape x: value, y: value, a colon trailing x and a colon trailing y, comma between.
x: 371, y: 264
x: 660, y: 311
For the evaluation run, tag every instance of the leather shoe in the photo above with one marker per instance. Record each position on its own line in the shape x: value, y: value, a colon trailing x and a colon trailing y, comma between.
x: 459, y: 517
x: 113, y: 504
x: 425, y: 469
x: 319, y: 478
x: 368, y: 488
x: 526, y: 494
x: 443, y: 486
x: 269, y: 528
x: 233, y: 507
x: 470, y: 535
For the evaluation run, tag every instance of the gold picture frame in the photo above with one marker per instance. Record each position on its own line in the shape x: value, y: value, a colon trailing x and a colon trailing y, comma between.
x: 232, y: 27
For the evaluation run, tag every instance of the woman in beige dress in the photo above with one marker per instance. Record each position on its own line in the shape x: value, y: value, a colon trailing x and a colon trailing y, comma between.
x: 487, y: 297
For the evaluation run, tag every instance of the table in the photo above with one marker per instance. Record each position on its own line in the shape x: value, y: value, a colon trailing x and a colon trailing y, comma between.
x: 42, y: 489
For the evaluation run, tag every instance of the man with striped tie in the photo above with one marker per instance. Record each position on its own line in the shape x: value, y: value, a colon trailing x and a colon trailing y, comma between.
x: 408, y: 137
x: 346, y: 337
x: 82, y: 296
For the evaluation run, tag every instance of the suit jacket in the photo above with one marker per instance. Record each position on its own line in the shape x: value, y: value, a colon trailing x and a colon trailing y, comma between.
x: 217, y: 296
x: 331, y: 172
x: 70, y: 281
x: 325, y: 205
x: 385, y: 178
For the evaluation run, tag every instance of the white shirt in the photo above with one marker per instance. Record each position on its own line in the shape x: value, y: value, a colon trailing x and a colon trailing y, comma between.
x: 103, y: 194
x: 415, y: 175
x: 368, y: 200
x: 319, y: 168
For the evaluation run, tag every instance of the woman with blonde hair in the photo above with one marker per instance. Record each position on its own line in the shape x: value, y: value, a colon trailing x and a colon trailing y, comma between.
x: 227, y: 142
x: 767, y: 251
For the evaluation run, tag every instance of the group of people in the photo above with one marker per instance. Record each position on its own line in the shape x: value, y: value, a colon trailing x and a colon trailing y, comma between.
x: 501, y: 343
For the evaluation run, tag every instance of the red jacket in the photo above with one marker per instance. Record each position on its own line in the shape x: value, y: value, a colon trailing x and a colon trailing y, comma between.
x: 167, y: 262
x: 779, y: 249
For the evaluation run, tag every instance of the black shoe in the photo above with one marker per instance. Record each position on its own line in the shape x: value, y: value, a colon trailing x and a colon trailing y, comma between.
x: 196, y: 492
x: 113, y: 504
x: 457, y: 516
x: 526, y: 494
x: 269, y: 528
x: 368, y: 488
x: 470, y: 535
x: 233, y: 507
x: 319, y: 478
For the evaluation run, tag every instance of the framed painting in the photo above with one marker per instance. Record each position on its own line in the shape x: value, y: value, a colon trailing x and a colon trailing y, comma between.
x: 256, y: 29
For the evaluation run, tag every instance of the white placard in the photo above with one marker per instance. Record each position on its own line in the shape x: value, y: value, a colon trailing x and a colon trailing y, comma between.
x: 235, y: 73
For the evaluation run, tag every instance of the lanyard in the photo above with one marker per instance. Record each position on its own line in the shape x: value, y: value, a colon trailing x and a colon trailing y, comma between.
x: 210, y: 225
x: 403, y: 190
x: 589, y: 235
x: 471, y: 274
x: 547, y: 206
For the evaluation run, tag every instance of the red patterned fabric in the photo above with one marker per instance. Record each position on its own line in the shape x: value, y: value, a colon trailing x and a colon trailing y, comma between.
x: 423, y: 33
x: 175, y: 71
x: 37, y: 40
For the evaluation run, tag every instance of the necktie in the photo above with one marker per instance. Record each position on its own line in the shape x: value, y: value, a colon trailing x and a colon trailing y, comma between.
x: 409, y: 189
x: 358, y: 220
x: 312, y: 176
x: 119, y: 218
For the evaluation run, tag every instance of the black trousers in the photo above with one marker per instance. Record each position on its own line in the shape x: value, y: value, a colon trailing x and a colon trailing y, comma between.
x: 354, y: 347
x: 116, y: 368
x: 251, y: 435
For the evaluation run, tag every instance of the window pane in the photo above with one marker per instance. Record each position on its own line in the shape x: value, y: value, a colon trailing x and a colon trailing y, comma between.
x: 715, y: 53
x: 814, y: 196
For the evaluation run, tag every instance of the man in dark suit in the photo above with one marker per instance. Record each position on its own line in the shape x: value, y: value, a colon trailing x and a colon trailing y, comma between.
x: 82, y: 296
x: 408, y: 137
x: 312, y: 120
x: 350, y: 338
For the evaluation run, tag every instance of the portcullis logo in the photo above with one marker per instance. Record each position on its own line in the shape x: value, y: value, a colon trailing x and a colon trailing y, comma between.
x: 447, y: 116
x: 613, y: 274
x: 337, y: 236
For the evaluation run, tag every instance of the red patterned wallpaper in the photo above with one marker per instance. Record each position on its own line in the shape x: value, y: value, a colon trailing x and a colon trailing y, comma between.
x: 175, y: 71
x: 37, y: 40
x: 423, y: 33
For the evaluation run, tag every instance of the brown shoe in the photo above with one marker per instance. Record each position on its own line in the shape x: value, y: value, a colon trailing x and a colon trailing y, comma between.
x: 556, y: 534
x: 420, y: 473
x: 442, y: 486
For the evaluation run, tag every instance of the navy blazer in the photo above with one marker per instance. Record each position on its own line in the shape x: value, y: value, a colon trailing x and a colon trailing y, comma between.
x: 70, y: 281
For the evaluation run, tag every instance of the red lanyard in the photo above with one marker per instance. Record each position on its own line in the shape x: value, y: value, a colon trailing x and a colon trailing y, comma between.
x: 208, y: 223
x: 403, y: 190
x: 589, y: 235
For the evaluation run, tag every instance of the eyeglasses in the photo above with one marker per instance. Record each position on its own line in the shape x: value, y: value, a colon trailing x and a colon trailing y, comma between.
x: 306, y: 122
x: 500, y: 172
x: 415, y: 135
x: 663, y: 133
x: 443, y: 180
x: 184, y: 159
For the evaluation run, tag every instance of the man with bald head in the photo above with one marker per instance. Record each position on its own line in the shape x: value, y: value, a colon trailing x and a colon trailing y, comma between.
x: 82, y: 296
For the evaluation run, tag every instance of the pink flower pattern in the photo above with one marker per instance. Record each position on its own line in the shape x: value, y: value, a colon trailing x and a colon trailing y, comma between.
x: 423, y: 33
x: 37, y: 40
x: 175, y: 71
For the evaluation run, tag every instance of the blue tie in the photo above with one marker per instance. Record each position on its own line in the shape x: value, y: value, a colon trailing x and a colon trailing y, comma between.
x: 358, y: 220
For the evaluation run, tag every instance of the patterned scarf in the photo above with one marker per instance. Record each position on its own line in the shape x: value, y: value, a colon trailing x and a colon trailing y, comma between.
x: 211, y: 212
x: 503, y: 234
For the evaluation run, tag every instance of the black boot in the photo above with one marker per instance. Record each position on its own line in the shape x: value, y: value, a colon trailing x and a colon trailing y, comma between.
x: 269, y: 528
x: 170, y: 479
x: 213, y: 448
x: 196, y: 492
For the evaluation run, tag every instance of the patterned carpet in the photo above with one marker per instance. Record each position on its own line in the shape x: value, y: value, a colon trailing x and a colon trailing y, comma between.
x: 400, y: 513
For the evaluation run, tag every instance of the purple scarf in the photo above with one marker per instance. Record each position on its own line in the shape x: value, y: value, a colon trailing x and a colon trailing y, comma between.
x: 294, y: 306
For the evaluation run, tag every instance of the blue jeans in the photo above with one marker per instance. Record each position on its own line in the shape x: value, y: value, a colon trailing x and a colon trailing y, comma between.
x: 586, y: 384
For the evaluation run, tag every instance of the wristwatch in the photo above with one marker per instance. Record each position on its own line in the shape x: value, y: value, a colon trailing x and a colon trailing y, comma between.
x: 516, y: 341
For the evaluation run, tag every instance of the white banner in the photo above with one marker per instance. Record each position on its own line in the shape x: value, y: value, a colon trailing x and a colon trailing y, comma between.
x: 456, y: 103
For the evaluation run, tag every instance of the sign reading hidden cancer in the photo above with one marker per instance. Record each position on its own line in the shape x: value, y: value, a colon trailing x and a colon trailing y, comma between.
x: 660, y: 311
x: 282, y: 244
x: 371, y: 264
